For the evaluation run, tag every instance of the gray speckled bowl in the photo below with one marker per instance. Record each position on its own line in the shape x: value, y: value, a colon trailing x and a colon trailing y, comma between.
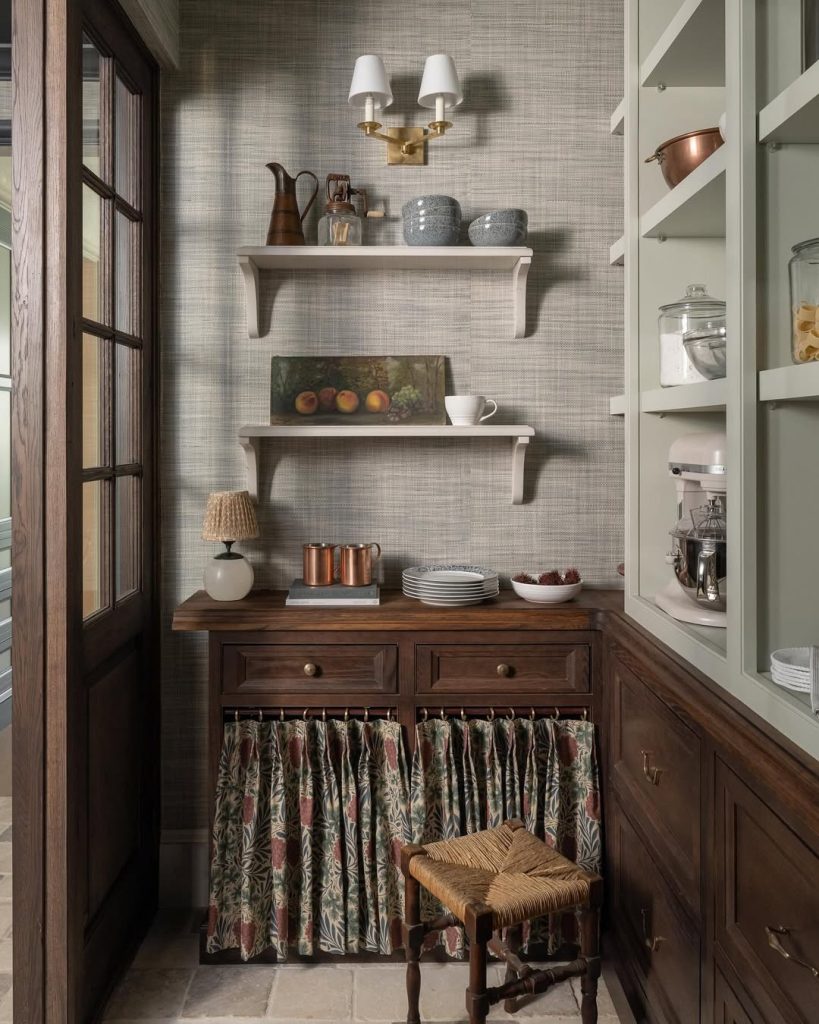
x: 432, y: 230
x: 502, y: 227
x: 430, y: 204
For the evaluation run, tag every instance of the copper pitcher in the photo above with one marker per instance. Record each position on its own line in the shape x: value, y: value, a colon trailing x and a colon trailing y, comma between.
x: 285, y: 220
x: 357, y: 564
x: 319, y: 564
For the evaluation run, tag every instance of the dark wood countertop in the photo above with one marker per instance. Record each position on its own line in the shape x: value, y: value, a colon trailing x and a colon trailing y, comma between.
x: 265, y: 610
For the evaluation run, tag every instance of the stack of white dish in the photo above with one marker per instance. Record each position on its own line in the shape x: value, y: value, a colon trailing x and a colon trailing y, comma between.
x: 791, y: 668
x: 450, y: 585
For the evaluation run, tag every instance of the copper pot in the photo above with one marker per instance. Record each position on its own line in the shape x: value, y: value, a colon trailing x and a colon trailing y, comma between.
x: 678, y: 157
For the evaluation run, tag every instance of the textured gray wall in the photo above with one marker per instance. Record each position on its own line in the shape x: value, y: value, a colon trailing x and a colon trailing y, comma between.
x: 261, y: 80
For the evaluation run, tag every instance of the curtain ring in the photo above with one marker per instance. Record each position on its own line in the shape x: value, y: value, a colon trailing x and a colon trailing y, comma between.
x: 389, y: 714
x: 443, y: 716
x: 346, y: 714
x: 261, y: 716
x: 531, y: 714
x: 324, y: 714
x: 366, y: 714
x: 236, y: 715
x: 584, y: 714
x: 491, y: 714
x: 425, y: 713
x: 511, y: 715
x: 304, y: 715
x: 463, y: 715
x: 556, y: 715
x: 281, y: 714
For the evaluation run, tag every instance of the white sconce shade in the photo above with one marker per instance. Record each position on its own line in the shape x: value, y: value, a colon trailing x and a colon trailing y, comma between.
x: 370, y: 80
x: 440, y: 79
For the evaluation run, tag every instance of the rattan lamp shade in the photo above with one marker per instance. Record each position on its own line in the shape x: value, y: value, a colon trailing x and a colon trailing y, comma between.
x: 230, y: 516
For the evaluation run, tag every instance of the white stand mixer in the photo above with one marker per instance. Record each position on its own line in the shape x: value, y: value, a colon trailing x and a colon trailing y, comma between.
x: 697, y: 463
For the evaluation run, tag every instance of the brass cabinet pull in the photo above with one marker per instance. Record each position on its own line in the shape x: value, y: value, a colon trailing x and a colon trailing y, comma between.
x: 776, y: 944
x: 652, y: 942
x: 310, y: 669
x: 503, y: 670
x: 652, y: 774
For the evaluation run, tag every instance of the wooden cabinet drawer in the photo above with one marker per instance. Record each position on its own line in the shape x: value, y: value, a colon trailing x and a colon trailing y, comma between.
x: 655, y: 767
x: 766, y: 878
x: 502, y: 668
x: 306, y: 668
x: 658, y: 936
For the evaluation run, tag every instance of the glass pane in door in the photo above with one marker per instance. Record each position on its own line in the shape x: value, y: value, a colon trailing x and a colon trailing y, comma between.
x: 126, y: 151
x: 93, y: 303
x: 93, y: 385
x: 91, y: 106
x: 127, y: 391
x: 127, y: 536
x: 93, y: 561
x: 126, y: 264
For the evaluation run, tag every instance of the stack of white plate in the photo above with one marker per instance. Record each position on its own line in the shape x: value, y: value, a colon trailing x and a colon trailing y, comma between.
x: 450, y: 585
x: 791, y: 668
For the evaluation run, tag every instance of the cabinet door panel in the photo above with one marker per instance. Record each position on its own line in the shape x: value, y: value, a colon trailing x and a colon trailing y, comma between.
x: 767, y: 902
x: 655, y: 764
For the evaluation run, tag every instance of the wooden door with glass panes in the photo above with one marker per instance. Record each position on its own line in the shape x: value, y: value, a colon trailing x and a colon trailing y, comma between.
x: 114, y: 740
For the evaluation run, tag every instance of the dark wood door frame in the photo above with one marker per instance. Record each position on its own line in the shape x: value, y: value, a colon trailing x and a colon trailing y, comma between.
x: 46, y: 423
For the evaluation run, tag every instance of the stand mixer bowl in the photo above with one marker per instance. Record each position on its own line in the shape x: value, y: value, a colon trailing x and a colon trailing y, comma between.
x: 700, y: 556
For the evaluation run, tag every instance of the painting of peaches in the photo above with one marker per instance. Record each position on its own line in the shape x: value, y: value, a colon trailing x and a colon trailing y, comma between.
x: 345, y: 390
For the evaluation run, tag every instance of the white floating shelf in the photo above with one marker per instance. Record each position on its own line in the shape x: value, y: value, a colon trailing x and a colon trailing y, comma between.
x: 617, y: 405
x: 691, y: 51
x: 250, y: 437
x: 695, y: 208
x: 706, y: 396
x: 790, y: 383
x: 617, y: 252
x: 618, y: 119
x: 513, y: 260
x: 793, y: 116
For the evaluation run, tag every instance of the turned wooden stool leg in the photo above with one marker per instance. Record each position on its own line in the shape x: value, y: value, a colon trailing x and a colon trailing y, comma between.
x: 413, y: 939
x: 590, y: 950
x: 478, y: 925
x: 514, y: 940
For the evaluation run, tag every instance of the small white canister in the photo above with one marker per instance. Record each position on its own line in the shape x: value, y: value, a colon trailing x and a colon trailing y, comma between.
x: 696, y: 308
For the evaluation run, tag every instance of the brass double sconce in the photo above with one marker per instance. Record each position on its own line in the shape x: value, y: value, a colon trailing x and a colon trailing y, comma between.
x: 370, y: 89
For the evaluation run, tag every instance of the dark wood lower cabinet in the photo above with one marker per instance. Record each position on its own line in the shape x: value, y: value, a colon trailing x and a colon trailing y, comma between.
x: 711, y: 820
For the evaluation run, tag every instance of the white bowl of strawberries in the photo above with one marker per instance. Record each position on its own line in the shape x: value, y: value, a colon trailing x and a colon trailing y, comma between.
x: 548, y: 587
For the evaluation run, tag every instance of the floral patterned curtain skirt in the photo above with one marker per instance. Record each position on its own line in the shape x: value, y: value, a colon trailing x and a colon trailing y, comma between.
x: 310, y: 817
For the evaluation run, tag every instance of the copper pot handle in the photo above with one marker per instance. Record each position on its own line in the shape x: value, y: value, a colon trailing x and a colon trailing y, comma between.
x: 377, y: 548
x: 658, y: 155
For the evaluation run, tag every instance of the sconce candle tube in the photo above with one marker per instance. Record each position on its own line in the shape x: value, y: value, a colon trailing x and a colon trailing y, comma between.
x: 369, y: 108
x: 439, y: 108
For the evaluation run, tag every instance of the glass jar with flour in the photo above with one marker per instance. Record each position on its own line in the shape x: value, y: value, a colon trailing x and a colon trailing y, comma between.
x: 694, y: 310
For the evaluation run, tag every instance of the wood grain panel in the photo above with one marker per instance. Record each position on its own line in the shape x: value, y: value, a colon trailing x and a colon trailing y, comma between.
x: 655, y: 766
x: 766, y: 877
x: 647, y: 914
x: 331, y: 669
x: 502, y: 669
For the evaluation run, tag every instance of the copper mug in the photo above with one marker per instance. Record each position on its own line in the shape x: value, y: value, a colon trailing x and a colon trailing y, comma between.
x: 319, y: 564
x: 357, y: 564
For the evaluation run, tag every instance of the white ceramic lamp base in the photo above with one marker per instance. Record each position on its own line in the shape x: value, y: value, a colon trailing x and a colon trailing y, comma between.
x: 228, y: 578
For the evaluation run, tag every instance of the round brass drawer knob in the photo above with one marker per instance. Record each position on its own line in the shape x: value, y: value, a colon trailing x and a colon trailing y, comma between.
x: 310, y: 669
x: 503, y: 670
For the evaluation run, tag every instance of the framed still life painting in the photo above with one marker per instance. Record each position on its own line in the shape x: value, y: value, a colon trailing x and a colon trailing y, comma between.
x: 346, y: 390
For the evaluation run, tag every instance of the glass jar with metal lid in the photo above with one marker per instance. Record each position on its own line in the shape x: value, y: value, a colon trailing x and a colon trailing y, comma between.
x: 695, y: 309
x: 803, y: 270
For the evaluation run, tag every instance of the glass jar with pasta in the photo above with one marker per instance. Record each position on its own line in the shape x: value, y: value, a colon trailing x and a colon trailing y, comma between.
x: 803, y: 270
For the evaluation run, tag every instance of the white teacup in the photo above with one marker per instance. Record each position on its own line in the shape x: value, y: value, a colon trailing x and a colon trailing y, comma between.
x: 467, y: 410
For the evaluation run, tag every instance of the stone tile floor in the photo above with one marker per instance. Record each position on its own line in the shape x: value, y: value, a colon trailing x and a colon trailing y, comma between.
x: 166, y: 984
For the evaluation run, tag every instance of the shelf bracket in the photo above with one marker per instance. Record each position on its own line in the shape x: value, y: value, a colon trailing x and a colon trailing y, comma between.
x: 519, y: 448
x: 250, y: 445
x: 250, y: 273
x: 519, y: 275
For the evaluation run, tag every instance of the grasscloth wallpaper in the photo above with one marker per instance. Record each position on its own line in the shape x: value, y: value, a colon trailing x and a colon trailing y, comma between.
x: 264, y: 80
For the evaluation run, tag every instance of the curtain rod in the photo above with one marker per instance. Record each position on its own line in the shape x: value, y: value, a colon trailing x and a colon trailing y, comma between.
x: 423, y: 714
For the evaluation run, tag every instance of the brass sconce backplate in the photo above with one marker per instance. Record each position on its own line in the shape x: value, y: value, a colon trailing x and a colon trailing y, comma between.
x: 417, y: 158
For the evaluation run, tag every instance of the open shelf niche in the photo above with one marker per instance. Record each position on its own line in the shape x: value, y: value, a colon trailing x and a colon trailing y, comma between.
x: 250, y: 438
x: 512, y: 260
